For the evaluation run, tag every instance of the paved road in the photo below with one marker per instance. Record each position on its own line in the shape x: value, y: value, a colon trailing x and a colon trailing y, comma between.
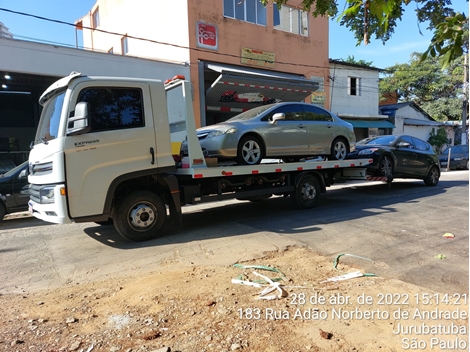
x: 401, y: 229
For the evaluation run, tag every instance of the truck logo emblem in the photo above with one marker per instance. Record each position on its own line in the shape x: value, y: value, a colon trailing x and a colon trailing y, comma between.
x: 84, y: 143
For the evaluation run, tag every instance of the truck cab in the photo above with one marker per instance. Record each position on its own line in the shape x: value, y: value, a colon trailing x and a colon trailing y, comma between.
x: 95, y: 133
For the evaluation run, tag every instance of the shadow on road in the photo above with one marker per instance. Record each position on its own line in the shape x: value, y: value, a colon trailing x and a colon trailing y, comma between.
x: 278, y: 215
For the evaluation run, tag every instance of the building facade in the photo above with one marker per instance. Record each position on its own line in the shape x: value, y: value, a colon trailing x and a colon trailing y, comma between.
x: 354, y: 97
x: 240, y: 53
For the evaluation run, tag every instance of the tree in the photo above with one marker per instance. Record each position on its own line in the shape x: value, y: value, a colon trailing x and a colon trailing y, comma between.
x: 437, y: 92
x: 352, y: 60
x: 438, y: 139
x: 366, y: 18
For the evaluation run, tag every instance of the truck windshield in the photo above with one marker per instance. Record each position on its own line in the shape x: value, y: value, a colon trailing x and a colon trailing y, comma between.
x: 48, y: 128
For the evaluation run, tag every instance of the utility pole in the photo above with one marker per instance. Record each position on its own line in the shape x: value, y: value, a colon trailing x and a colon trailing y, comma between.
x: 465, y: 101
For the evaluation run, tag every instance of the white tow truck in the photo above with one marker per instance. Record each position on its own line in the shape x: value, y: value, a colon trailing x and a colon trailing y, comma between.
x: 103, y: 153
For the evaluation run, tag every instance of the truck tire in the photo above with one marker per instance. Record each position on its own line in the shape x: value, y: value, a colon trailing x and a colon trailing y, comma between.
x: 306, y: 193
x: 140, y: 216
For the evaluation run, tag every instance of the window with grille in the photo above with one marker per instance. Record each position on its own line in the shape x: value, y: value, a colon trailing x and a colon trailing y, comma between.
x: 252, y: 11
x: 289, y: 19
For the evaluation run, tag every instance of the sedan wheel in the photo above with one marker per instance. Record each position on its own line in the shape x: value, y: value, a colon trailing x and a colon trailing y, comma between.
x: 433, y: 177
x: 250, y: 151
x: 339, y: 149
x: 386, y: 166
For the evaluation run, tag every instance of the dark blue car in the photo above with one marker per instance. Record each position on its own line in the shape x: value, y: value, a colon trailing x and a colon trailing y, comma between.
x: 399, y: 156
x: 458, y: 157
x: 14, y: 190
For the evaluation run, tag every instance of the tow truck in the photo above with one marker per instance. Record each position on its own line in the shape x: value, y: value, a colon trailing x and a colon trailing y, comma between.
x: 103, y: 153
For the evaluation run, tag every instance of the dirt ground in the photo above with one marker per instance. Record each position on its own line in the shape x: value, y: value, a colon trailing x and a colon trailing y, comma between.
x: 198, y: 308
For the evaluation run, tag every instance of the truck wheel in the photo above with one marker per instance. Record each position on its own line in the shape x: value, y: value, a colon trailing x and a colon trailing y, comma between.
x: 306, y: 193
x: 140, y: 216
x: 339, y: 149
x: 250, y: 151
x: 433, y: 177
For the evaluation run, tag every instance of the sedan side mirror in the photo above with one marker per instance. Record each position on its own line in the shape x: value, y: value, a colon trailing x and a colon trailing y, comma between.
x: 23, y: 174
x: 404, y: 145
x: 277, y: 117
x: 80, y: 122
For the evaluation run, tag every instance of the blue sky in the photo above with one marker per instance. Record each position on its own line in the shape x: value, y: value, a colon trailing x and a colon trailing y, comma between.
x: 405, y: 40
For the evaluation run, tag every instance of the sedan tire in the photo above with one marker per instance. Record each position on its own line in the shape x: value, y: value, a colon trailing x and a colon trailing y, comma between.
x: 339, y: 149
x: 250, y: 151
x: 386, y: 166
x: 433, y: 177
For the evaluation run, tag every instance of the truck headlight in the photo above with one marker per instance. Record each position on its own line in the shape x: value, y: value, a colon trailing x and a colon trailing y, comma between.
x: 46, y: 195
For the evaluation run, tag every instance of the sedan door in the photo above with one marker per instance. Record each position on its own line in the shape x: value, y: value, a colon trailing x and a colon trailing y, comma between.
x: 286, y: 137
x: 321, y: 130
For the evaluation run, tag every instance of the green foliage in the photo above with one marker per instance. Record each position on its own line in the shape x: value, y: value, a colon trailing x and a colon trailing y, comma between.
x: 437, y: 92
x: 438, y: 139
x: 383, y: 17
x: 352, y: 60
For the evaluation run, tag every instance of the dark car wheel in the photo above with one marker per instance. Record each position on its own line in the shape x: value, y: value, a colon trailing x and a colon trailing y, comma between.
x: 386, y: 166
x: 140, y: 216
x: 433, y: 177
x: 466, y: 165
x: 2, y: 212
x: 339, y: 149
x: 250, y: 151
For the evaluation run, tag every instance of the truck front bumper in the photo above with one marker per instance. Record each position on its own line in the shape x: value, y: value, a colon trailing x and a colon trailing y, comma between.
x: 54, y: 211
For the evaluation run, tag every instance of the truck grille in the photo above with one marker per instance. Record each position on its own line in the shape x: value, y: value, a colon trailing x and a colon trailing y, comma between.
x: 34, y: 193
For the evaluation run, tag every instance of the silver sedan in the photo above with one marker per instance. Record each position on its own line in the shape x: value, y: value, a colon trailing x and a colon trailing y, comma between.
x: 288, y: 131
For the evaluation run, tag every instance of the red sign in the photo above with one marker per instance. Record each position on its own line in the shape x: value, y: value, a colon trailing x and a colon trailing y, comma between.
x: 206, y: 35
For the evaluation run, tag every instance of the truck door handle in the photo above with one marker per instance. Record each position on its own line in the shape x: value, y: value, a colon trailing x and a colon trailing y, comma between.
x: 152, y: 153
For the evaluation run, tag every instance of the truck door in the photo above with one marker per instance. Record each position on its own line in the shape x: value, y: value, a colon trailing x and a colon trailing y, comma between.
x: 118, y: 143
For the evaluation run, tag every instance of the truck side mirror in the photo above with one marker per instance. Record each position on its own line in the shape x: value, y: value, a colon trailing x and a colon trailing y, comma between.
x: 277, y: 117
x: 80, y: 122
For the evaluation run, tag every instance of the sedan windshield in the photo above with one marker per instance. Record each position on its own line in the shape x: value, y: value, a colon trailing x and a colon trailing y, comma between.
x: 382, y: 140
x: 250, y: 114
x: 49, y: 125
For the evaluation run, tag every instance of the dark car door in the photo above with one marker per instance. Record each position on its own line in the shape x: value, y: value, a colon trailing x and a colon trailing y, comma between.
x: 424, y: 152
x: 21, y: 188
x: 406, y: 156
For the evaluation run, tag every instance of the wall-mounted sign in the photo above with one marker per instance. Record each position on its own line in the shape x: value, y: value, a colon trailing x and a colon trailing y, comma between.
x: 257, y: 58
x: 207, y: 36
x: 319, y: 96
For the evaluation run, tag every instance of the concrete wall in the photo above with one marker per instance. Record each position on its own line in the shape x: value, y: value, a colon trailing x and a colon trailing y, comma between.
x: 160, y: 21
x: 366, y: 103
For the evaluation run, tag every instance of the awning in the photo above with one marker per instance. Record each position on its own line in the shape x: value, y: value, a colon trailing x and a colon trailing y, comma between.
x: 418, y: 122
x: 370, y: 124
x: 240, y: 89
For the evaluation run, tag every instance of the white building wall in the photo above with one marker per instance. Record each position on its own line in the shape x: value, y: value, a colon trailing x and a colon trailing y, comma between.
x: 364, y: 104
x: 50, y: 60
x: 45, y: 59
x: 422, y: 132
x: 141, y: 19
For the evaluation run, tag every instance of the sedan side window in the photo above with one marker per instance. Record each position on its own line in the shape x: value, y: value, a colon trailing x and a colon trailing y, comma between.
x: 314, y: 113
x: 409, y: 140
x: 420, y: 145
x: 292, y: 112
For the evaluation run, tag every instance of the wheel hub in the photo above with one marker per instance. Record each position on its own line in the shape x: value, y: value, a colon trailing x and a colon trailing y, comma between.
x: 142, y: 216
x: 309, y: 192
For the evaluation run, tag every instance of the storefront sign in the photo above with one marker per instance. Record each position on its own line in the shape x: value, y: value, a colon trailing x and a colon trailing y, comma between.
x: 207, y: 36
x: 257, y: 58
x: 319, y: 96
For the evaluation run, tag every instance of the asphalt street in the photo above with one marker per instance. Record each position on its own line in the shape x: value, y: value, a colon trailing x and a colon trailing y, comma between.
x: 400, y: 229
